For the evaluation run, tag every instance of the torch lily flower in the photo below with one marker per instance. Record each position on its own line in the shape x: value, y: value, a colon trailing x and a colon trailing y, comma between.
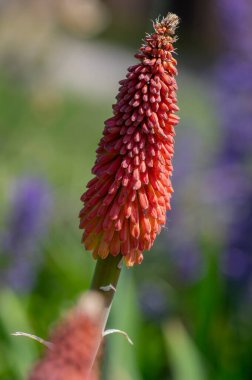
x: 73, y: 344
x: 125, y: 204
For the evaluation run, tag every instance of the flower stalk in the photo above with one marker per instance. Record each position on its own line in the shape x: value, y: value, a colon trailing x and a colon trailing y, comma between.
x: 105, y: 280
x: 125, y: 204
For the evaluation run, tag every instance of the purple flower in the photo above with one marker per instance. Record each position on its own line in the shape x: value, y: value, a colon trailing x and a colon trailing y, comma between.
x: 233, y: 75
x: 236, y: 264
x: 235, y: 25
x: 183, y: 231
x: 20, y: 250
x: 232, y: 178
x: 235, y: 96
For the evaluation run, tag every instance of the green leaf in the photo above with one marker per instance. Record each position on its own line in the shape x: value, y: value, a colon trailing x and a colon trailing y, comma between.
x: 122, y: 361
x: 19, y: 353
x: 184, y: 357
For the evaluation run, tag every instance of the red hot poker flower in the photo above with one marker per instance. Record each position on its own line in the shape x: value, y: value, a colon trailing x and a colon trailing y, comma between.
x: 75, y: 341
x: 126, y: 202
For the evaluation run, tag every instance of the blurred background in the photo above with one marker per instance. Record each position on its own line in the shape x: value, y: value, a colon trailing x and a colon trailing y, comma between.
x: 188, y: 306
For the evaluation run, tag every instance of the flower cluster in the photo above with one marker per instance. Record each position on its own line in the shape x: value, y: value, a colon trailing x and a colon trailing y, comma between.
x: 20, y: 242
x: 74, y: 341
x: 234, y: 173
x: 126, y: 202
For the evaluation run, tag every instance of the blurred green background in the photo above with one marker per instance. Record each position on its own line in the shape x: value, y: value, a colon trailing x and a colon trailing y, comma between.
x: 188, y: 306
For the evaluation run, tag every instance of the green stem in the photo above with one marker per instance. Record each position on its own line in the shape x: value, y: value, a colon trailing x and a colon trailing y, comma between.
x: 106, y: 275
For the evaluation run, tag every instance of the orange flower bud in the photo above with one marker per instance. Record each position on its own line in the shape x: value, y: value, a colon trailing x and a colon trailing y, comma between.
x: 125, y: 204
x: 74, y: 344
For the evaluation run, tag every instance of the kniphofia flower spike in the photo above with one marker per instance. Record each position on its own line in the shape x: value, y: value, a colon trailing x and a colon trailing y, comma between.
x: 126, y: 202
x: 74, y: 343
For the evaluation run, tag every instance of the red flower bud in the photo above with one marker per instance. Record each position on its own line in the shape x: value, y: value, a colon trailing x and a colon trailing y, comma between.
x: 125, y: 204
x: 75, y: 342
